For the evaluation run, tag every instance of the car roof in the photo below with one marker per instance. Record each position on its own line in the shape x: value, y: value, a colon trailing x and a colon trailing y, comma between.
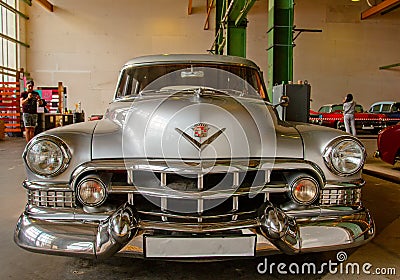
x: 383, y: 102
x: 187, y: 58
x: 337, y: 104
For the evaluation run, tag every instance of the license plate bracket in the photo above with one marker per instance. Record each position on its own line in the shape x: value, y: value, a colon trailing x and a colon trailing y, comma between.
x: 199, y: 247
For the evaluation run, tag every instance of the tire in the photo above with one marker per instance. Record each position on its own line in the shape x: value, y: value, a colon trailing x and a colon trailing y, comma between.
x: 340, y: 126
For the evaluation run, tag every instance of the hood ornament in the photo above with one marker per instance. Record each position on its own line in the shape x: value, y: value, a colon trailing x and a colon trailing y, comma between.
x: 200, y: 130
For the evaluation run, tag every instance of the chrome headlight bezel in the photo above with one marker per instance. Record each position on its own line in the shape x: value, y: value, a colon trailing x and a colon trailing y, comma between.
x: 331, y: 153
x: 295, y: 184
x: 102, y: 191
x: 56, y: 142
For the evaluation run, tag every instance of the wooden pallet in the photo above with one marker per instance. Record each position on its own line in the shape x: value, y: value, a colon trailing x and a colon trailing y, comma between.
x: 10, y: 109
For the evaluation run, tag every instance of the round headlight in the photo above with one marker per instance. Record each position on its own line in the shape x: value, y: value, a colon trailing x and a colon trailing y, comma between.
x: 91, y: 191
x: 47, y: 156
x: 345, y: 156
x: 304, y: 190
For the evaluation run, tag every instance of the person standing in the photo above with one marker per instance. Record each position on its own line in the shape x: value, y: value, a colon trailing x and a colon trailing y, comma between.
x: 29, y: 102
x: 348, y: 114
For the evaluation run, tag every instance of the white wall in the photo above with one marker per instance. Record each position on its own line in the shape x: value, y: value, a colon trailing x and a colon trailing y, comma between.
x: 83, y: 43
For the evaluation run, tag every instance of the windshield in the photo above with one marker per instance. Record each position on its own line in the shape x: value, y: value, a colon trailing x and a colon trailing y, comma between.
x: 234, y: 79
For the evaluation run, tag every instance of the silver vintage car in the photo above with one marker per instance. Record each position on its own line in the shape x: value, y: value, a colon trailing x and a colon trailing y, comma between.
x: 191, y: 162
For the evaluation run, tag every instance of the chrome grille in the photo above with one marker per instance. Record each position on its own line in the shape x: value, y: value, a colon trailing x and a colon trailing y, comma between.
x: 345, y: 196
x: 196, y: 194
x: 59, y: 199
x: 199, y: 181
x: 197, y: 210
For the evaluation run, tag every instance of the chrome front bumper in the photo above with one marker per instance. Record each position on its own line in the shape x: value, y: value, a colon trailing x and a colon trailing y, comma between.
x: 275, y: 231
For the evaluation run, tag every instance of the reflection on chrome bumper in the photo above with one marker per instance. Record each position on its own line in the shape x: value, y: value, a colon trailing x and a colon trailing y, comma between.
x: 123, y: 233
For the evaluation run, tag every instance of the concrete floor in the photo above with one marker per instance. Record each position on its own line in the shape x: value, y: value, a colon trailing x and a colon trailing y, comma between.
x: 380, y: 196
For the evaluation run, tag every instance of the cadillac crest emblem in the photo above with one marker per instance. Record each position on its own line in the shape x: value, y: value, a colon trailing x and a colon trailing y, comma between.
x: 200, y: 130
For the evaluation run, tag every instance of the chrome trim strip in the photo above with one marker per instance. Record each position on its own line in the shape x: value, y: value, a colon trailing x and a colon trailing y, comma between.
x: 195, y: 166
x: 48, y: 186
x: 193, y: 216
x: 209, y: 194
x: 198, y: 228
x: 357, y: 183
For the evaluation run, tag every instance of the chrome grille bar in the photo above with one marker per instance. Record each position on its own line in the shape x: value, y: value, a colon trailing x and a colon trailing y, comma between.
x: 346, y: 196
x: 164, y: 200
x: 236, y: 179
x: 61, y: 199
x: 235, y: 207
x: 200, y: 208
x: 200, y: 181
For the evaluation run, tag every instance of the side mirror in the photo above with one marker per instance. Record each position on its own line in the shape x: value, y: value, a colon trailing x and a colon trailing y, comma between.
x: 284, y: 101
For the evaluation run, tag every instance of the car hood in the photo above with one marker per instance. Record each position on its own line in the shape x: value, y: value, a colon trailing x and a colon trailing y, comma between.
x: 193, y: 127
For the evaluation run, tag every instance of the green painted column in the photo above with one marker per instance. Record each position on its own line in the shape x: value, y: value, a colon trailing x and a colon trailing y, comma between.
x: 236, y: 30
x: 280, y: 42
x: 231, y: 25
x: 236, y: 43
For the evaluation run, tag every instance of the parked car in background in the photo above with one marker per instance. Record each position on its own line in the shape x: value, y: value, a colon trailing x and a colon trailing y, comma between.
x: 331, y: 115
x: 191, y: 162
x: 388, y: 143
x: 315, y: 117
x: 390, y: 108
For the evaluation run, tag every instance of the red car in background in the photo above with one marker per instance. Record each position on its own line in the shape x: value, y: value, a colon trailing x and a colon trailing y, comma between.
x: 332, y: 115
x: 389, y: 144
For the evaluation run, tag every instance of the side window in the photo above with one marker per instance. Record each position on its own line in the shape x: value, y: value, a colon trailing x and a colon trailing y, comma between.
x: 121, y: 85
x: 127, y: 85
x: 336, y: 108
x: 396, y: 107
x: 358, y: 109
x: 376, y: 108
x: 324, y: 109
x: 386, y: 108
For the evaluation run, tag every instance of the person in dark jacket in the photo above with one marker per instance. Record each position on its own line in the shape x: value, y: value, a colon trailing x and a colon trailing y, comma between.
x: 29, y: 102
x: 348, y: 114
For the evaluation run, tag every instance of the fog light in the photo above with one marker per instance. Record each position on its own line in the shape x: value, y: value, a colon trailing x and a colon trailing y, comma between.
x: 304, y: 190
x: 91, y: 191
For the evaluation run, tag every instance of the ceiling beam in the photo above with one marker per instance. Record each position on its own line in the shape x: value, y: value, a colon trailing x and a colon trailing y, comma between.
x: 190, y: 7
x: 381, y: 7
x: 209, y: 7
x: 46, y: 4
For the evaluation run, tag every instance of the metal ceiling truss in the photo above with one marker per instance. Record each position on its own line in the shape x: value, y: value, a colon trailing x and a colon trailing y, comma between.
x: 231, y: 24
